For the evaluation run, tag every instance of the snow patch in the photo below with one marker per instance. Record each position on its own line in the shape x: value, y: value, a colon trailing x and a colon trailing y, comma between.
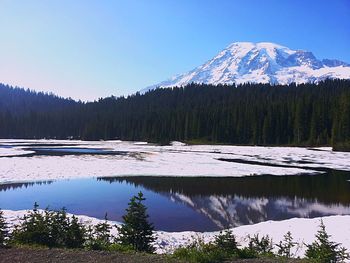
x: 173, y: 160
x: 303, y: 231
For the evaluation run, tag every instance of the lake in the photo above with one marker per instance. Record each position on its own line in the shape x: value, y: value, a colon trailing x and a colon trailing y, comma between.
x: 187, y: 203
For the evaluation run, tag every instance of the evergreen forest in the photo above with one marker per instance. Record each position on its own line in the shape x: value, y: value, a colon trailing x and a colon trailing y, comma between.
x: 247, y: 114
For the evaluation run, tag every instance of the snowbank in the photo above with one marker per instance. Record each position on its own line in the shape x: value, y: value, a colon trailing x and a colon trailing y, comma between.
x: 303, y: 231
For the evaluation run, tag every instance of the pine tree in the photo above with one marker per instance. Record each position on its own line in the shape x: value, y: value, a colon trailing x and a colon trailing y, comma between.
x: 76, y: 234
x: 261, y: 246
x: 323, y: 250
x: 99, y: 237
x: 285, y: 246
x: 4, y: 233
x: 226, y: 241
x: 58, y: 224
x: 136, y: 230
x: 33, y: 229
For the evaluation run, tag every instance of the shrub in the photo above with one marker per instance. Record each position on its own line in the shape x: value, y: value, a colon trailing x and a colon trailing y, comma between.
x: 75, y: 234
x: 260, y: 246
x: 4, y: 232
x: 226, y: 241
x: 324, y: 250
x: 200, y: 252
x: 99, y: 236
x: 120, y: 248
x: 246, y: 252
x: 285, y: 246
x: 136, y: 230
x: 49, y: 228
x: 33, y: 229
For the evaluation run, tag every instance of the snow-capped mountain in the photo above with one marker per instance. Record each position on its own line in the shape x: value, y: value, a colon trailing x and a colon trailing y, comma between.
x: 243, y: 62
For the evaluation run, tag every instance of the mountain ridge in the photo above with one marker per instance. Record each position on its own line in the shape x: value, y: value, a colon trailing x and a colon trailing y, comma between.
x: 264, y: 62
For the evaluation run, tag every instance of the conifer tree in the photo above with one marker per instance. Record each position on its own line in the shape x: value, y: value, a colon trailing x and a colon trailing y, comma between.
x: 226, y: 241
x: 323, y: 250
x: 49, y: 228
x: 33, y: 228
x: 261, y: 246
x: 76, y: 234
x: 99, y: 236
x: 285, y: 246
x: 136, y: 230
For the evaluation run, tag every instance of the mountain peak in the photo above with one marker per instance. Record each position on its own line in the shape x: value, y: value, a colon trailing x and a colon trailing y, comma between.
x: 259, y: 45
x: 263, y: 62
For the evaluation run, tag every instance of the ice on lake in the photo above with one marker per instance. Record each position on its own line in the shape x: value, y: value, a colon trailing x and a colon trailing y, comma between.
x: 26, y: 160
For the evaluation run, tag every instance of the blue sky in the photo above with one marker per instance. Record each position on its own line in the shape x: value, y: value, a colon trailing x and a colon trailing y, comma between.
x: 89, y: 49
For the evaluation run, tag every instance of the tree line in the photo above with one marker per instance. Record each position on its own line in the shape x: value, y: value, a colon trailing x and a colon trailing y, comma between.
x: 247, y: 114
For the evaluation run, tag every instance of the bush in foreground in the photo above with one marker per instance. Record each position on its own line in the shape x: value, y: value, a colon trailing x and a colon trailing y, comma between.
x: 225, y: 248
x: 285, y: 246
x: 99, y: 237
x: 323, y: 250
x: 50, y: 228
x: 199, y: 251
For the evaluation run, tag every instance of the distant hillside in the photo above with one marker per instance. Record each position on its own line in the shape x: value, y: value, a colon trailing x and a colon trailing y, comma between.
x: 29, y: 114
x: 254, y: 114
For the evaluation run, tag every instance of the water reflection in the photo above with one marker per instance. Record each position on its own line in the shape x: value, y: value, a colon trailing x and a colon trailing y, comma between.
x: 182, y: 203
x: 240, y: 201
x: 13, y: 186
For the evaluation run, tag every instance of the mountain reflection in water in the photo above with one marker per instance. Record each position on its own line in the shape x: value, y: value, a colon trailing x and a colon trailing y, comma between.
x: 248, y: 200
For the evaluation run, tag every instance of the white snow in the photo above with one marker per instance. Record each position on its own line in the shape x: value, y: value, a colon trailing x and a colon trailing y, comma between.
x: 13, y: 151
x: 303, y: 231
x: 174, y: 160
x: 264, y: 62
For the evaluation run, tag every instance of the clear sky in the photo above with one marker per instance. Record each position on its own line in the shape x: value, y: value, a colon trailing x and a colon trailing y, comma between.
x: 90, y: 49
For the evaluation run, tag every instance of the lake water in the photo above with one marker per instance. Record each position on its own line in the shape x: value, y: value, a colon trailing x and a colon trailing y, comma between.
x: 200, y: 204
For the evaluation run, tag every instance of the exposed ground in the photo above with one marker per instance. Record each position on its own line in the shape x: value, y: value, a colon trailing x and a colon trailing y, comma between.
x: 43, y: 255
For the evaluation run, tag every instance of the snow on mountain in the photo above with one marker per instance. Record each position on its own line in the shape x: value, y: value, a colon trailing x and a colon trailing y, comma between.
x: 243, y: 62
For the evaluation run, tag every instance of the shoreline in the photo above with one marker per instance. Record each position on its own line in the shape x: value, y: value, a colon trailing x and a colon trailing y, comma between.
x: 303, y: 231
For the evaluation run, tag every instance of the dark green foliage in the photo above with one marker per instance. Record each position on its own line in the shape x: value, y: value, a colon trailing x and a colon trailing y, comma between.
x: 261, y: 246
x: 4, y: 232
x: 99, y: 236
x: 198, y: 251
x: 49, y: 228
x: 246, y: 252
x: 255, y: 114
x: 226, y: 241
x: 285, y: 246
x: 34, y: 229
x: 75, y: 234
x: 136, y: 230
x: 325, y: 251
x: 225, y: 248
x: 120, y: 248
